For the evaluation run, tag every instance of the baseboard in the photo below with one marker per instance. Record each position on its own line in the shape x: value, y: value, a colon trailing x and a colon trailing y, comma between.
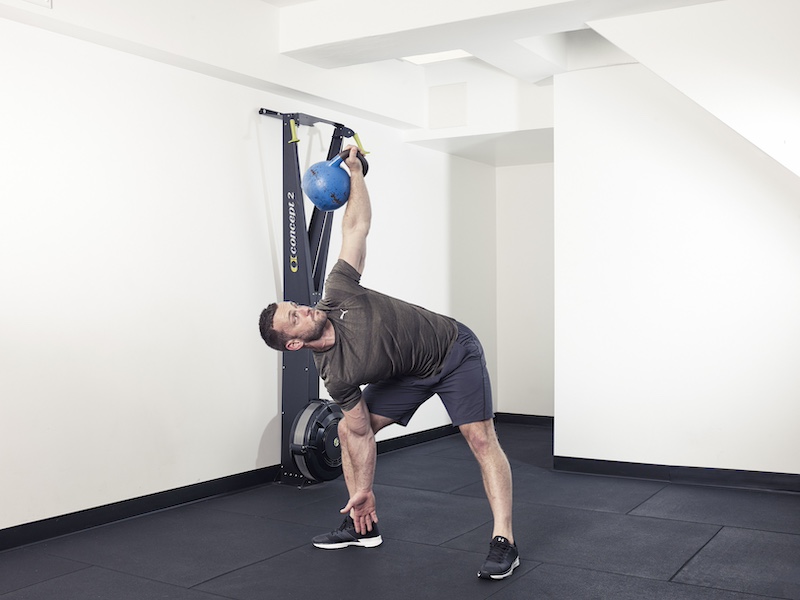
x: 412, y: 439
x: 445, y: 430
x: 534, y: 420
x: 784, y: 482
x: 37, y: 531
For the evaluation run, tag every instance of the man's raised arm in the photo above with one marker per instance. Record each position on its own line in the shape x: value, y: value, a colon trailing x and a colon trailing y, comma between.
x: 357, y: 216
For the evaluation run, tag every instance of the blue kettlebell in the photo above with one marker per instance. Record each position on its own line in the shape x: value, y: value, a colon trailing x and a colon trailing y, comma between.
x: 327, y: 185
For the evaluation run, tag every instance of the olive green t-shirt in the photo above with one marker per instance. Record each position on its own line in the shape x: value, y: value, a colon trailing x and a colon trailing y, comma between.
x: 377, y: 337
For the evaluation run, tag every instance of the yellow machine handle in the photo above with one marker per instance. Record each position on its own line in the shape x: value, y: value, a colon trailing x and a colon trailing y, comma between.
x: 358, y: 143
x: 293, y: 127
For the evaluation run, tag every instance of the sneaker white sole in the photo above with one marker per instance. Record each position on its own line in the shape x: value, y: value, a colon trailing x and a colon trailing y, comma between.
x: 514, y: 565
x: 369, y: 542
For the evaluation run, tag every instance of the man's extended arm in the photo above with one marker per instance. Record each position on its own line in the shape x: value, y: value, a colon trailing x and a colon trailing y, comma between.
x: 357, y: 216
x: 358, y: 463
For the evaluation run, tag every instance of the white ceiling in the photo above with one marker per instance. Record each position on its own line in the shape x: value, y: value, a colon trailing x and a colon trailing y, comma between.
x: 531, y: 146
x: 512, y: 35
x: 280, y: 3
x: 527, y: 40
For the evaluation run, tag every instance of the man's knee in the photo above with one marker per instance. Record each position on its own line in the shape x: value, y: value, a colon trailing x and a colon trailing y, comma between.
x: 480, y: 436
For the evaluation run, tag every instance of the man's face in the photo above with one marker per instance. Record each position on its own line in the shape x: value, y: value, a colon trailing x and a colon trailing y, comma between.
x: 299, y: 322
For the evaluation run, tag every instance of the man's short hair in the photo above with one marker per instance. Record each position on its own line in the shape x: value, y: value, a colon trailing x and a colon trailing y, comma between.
x: 274, y: 339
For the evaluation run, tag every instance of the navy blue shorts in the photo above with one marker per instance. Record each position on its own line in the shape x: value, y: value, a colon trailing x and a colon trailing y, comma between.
x: 462, y: 384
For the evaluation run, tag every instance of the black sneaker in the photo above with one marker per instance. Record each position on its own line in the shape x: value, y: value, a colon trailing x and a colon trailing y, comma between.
x: 502, y: 560
x: 346, y: 536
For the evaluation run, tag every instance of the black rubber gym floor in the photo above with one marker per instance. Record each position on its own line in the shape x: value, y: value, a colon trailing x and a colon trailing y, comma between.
x: 580, y: 537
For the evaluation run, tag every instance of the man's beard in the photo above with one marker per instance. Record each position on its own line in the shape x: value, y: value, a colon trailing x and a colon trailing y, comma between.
x: 316, y: 333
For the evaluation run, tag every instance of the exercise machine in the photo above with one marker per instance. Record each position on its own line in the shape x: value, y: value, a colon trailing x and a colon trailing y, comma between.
x: 310, y: 451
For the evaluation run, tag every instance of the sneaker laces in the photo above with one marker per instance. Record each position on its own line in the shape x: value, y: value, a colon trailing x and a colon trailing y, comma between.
x: 498, y: 551
x: 346, y: 524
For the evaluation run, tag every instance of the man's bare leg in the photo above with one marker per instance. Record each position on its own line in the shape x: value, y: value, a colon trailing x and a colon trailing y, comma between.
x: 496, y: 473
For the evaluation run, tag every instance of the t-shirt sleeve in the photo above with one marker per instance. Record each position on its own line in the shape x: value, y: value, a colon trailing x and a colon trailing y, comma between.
x: 346, y: 396
x: 342, y: 281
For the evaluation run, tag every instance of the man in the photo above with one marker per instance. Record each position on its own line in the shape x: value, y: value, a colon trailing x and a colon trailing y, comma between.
x: 405, y: 354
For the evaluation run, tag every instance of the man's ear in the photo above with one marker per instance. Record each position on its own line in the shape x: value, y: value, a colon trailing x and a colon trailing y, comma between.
x: 294, y: 345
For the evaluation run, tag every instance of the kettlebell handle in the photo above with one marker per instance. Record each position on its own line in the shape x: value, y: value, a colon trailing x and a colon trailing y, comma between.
x: 364, y: 164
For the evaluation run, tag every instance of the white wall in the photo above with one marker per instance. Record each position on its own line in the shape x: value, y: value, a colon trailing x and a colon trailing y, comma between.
x: 677, y: 252
x: 472, y: 272
x: 133, y: 248
x: 139, y: 226
x: 525, y: 289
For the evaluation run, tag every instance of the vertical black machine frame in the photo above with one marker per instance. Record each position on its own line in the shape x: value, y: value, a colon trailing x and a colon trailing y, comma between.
x: 310, y: 444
